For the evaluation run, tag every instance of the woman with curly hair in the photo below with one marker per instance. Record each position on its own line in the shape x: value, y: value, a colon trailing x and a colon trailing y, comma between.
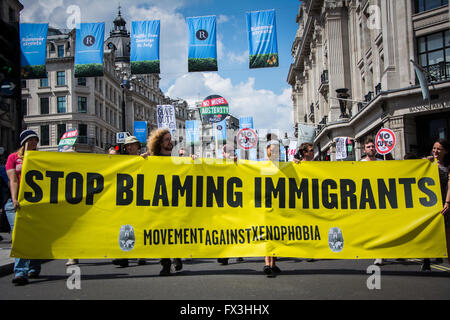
x: 159, y: 143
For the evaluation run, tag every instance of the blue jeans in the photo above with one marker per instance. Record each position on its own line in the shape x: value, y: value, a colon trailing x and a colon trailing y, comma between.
x: 22, y: 267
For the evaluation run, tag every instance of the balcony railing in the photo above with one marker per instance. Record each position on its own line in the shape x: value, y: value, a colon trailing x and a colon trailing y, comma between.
x: 438, y: 72
x: 85, y: 140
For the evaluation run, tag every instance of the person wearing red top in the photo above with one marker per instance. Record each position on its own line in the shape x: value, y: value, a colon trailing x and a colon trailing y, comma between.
x: 23, y: 268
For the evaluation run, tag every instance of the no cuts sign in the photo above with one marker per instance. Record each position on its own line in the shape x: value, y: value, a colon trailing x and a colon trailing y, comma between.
x: 247, y: 139
x: 385, y: 141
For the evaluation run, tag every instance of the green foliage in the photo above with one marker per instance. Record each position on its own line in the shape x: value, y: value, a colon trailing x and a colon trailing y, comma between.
x: 145, y: 67
x: 34, y: 72
x: 205, y: 64
x: 264, y: 60
x: 89, y: 70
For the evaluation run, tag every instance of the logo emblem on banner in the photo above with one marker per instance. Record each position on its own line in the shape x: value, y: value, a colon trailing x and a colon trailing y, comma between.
x: 126, y: 238
x: 201, y: 35
x: 89, y: 41
x: 385, y: 141
x: 335, y: 239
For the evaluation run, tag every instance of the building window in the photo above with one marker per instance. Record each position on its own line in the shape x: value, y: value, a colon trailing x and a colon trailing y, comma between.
x: 433, y: 51
x: 44, y: 81
x: 61, y: 78
x: 82, y: 104
x: 61, y: 131
x: 82, y: 133
x: 24, y: 107
x: 60, y: 51
x: 45, y: 135
x: 44, y: 105
x: 61, y: 104
x: 81, y: 81
x: 425, y: 5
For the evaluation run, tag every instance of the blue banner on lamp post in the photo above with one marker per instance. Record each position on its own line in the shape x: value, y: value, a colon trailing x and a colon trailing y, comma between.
x: 33, y: 48
x: 89, y: 50
x: 262, y: 39
x: 202, y: 44
x: 144, y: 53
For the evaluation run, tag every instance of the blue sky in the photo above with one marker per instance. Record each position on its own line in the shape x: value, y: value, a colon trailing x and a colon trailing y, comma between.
x: 261, y: 93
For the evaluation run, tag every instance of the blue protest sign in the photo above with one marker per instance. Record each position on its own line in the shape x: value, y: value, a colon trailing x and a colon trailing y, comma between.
x: 140, y: 131
x: 89, y: 50
x: 262, y: 39
x: 33, y: 48
x: 246, y: 122
x: 202, y: 44
x: 221, y: 131
x: 144, y: 54
x: 192, y: 132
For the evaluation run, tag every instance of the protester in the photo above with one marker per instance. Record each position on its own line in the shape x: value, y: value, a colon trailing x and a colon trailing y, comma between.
x: 370, y: 151
x: 113, y: 150
x: 182, y: 152
x: 5, y: 194
x: 23, y: 268
x: 228, y: 152
x: 371, y: 155
x: 132, y: 147
x: 441, y: 154
x: 305, y: 153
x: 273, y: 154
x: 159, y: 143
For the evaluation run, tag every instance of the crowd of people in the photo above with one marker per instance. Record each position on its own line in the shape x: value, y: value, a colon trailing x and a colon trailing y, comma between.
x: 159, y: 143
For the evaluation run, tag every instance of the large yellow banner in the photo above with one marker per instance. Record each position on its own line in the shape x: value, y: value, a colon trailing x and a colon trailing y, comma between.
x: 103, y: 206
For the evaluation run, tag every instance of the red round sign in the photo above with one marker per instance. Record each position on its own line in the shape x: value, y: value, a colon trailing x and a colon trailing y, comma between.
x: 247, y: 138
x: 385, y: 141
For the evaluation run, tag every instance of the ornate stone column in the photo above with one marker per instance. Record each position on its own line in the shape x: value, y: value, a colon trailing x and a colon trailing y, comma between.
x: 337, y: 35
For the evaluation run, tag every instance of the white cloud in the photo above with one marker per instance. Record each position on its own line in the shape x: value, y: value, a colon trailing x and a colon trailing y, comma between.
x: 269, y: 110
x: 238, y: 58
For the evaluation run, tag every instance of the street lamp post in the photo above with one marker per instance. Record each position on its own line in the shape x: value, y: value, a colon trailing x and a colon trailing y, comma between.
x: 285, y: 141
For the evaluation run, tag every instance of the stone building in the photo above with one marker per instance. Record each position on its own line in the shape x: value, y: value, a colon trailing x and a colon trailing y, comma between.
x: 352, y: 73
x: 95, y: 106
x: 10, y: 103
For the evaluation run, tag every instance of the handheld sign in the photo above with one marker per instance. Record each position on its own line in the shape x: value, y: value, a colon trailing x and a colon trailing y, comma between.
x: 67, y: 141
x: 214, y: 109
x: 385, y: 141
x: 247, y: 138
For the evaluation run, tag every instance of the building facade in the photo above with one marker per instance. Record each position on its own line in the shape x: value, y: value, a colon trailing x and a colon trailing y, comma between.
x: 352, y: 73
x: 10, y: 102
x: 98, y: 107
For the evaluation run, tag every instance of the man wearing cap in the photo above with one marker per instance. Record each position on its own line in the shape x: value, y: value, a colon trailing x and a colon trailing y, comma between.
x: 132, y: 147
x: 23, y: 268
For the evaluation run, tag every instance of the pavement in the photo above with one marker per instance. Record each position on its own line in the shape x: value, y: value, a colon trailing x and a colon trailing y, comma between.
x: 6, y: 262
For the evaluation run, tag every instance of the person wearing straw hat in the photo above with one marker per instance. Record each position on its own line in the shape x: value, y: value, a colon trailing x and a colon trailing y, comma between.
x: 23, y: 268
x: 132, y: 146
